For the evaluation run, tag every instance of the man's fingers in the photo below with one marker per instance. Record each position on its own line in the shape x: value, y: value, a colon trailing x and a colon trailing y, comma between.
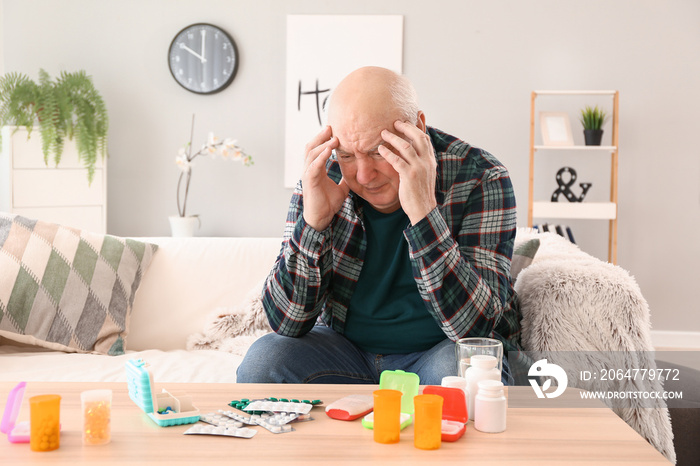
x: 403, y: 150
x: 418, y: 138
x: 394, y: 159
x: 323, y: 137
x: 323, y: 156
x: 314, y: 152
x: 317, y: 164
x: 412, y: 132
x: 397, y: 141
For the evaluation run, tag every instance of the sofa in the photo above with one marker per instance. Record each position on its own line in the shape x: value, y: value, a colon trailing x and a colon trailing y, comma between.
x: 192, y: 284
x: 187, y: 280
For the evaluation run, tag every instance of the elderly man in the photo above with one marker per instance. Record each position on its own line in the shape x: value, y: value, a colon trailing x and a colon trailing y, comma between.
x: 399, y: 237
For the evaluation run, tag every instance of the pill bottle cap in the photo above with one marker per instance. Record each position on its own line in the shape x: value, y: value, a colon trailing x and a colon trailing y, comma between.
x: 454, y: 381
x: 484, y: 361
x: 491, y: 388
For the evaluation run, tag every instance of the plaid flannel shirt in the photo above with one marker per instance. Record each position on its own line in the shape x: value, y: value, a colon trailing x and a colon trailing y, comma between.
x: 460, y: 253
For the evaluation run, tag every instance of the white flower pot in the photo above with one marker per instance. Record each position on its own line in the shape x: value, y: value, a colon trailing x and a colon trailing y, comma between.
x: 184, y: 227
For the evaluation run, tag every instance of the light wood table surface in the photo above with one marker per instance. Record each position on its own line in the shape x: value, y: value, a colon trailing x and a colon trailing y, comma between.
x: 533, y: 437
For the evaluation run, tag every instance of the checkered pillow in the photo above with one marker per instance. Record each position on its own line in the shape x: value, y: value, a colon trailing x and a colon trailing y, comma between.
x: 67, y: 289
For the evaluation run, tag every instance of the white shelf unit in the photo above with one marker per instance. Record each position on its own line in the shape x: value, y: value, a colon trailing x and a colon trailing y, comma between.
x: 62, y: 195
x: 578, y: 148
x: 583, y: 210
x: 578, y: 210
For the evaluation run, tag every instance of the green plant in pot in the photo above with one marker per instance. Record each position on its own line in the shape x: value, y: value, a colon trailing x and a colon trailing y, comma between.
x: 593, y: 119
x: 66, y: 107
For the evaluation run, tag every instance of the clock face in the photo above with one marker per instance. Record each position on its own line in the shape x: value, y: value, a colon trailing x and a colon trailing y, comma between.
x: 203, y: 58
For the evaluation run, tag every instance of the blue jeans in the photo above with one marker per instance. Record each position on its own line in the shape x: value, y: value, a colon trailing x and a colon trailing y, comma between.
x: 325, y: 356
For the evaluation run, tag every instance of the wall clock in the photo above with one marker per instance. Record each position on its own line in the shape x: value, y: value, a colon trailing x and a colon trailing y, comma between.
x: 203, y: 58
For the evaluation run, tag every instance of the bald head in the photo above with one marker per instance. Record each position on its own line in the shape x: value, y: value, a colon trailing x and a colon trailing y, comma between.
x: 376, y: 91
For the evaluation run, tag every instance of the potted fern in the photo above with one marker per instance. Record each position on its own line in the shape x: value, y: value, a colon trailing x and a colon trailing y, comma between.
x: 66, y: 107
x: 593, y: 120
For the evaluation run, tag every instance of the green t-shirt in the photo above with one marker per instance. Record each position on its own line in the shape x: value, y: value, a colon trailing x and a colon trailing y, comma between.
x: 386, y: 313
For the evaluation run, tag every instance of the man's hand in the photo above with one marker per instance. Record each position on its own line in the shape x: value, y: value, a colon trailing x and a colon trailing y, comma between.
x: 414, y: 160
x: 322, y: 197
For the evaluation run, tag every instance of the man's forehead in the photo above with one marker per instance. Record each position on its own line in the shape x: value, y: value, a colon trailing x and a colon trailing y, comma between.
x: 365, y: 141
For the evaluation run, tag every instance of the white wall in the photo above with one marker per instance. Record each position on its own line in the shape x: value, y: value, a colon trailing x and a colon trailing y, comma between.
x: 474, y: 64
x: 2, y: 44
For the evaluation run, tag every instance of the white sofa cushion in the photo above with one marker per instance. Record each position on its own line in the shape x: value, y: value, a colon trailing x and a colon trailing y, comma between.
x: 33, y: 364
x: 188, y: 279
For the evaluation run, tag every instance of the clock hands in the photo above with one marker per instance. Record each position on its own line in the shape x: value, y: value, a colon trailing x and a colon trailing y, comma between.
x: 204, y: 42
x: 201, y: 58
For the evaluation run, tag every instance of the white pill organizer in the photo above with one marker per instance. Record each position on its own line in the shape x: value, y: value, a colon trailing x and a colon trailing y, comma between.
x: 165, y: 408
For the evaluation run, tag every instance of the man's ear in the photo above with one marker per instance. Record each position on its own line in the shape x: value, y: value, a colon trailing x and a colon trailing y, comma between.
x: 421, y: 121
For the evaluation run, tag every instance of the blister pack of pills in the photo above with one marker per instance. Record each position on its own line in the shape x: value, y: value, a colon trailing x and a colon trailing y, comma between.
x: 220, y: 420
x: 279, y: 406
x: 272, y: 426
x: 205, y: 429
x: 275, y: 419
x: 279, y: 418
x: 302, y: 417
x: 274, y: 422
x: 244, y: 418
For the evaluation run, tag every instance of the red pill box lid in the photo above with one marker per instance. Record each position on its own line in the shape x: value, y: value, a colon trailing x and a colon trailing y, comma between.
x: 454, y: 406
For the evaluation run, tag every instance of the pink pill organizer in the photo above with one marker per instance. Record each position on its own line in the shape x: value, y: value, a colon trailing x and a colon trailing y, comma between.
x: 16, y: 433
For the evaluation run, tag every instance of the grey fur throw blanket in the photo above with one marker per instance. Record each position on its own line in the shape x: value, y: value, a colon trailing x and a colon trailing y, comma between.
x: 574, y: 302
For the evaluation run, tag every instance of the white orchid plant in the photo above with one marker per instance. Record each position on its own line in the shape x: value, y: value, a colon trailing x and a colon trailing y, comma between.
x: 226, y: 149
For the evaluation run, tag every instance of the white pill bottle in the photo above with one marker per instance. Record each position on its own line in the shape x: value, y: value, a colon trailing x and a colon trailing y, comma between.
x: 490, y: 407
x: 483, y: 367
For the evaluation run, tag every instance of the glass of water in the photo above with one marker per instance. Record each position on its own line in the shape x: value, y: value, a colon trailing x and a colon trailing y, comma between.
x: 468, y: 347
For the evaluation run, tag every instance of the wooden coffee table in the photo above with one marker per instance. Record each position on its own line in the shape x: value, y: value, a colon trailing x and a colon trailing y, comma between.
x: 533, y: 436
